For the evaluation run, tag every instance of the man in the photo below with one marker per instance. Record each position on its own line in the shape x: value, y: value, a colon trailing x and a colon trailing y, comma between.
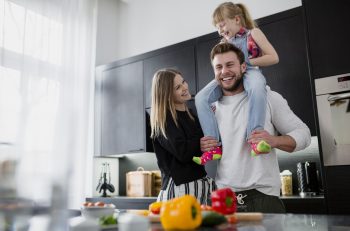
x: 255, y: 179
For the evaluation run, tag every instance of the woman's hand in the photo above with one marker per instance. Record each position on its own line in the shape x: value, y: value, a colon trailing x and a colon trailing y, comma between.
x: 208, y: 143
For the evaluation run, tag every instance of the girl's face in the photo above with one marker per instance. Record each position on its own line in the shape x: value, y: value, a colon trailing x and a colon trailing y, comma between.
x: 181, y: 93
x: 228, y: 28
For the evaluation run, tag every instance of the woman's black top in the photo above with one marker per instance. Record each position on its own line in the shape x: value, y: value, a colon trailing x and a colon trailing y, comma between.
x: 175, y: 153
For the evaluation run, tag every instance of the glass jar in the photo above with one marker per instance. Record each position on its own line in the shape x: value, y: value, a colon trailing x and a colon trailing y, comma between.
x: 286, y: 180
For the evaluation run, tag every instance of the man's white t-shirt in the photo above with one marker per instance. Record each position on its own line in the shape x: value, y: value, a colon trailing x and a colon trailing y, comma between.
x: 238, y: 169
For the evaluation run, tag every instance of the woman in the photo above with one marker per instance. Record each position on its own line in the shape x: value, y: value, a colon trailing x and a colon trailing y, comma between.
x: 176, y: 134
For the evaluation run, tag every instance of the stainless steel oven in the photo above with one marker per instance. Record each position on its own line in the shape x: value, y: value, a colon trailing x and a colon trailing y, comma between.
x: 333, y: 105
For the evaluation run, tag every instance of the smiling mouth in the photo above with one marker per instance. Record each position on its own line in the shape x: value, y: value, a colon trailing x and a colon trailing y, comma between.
x: 185, y: 94
x: 226, y: 79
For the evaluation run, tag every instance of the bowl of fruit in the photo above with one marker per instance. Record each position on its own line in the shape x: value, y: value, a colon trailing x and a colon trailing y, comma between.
x: 97, y: 210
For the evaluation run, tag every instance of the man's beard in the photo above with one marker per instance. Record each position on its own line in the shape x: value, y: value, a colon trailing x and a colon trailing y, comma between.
x: 235, y: 86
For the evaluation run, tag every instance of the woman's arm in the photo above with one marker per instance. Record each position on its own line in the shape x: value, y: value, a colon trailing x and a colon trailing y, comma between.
x: 269, y: 54
x: 182, y: 146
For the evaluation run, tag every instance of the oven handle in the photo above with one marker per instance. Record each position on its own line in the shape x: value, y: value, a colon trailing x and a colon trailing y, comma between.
x: 338, y: 97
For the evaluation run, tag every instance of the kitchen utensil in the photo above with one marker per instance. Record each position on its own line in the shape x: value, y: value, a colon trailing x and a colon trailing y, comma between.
x: 105, y: 185
x: 307, y: 179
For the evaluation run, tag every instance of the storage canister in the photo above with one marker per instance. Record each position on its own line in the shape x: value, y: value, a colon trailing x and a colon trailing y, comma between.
x: 286, y: 180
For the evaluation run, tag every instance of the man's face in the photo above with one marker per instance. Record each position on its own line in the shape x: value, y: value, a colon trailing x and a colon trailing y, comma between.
x: 229, y: 72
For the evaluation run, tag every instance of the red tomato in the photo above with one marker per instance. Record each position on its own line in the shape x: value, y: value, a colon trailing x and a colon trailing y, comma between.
x: 155, y: 207
x: 231, y: 219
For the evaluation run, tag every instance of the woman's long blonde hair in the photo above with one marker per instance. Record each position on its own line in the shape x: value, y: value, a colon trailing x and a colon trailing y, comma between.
x: 231, y: 10
x: 163, y: 101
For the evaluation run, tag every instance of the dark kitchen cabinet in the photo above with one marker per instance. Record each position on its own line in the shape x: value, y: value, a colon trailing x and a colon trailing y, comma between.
x: 122, y: 120
x: 180, y: 57
x: 338, y: 189
x: 290, y: 77
x: 328, y: 32
x: 204, y: 67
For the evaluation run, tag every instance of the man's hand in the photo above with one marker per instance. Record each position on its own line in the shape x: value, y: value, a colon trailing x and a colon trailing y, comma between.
x: 259, y: 135
x: 283, y: 142
x: 208, y: 143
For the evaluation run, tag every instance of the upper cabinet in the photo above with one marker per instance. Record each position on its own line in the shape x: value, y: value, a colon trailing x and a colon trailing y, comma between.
x: 290, y: 77
x: 328, y: 29
x: 180, y: 57
x: 204, y: 67
x: 120, y: 113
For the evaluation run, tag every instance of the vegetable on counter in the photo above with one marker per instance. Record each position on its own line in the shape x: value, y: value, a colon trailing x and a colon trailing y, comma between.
x: 212, y: 218
x: 107, y: 220
x: 206, y: 208
x: 224, y: 201
x: 181, y: 213
x: 155, y: 207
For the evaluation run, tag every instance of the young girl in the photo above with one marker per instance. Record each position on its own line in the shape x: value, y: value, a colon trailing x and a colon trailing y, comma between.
x: 235, y: 25
x: 176, y: 134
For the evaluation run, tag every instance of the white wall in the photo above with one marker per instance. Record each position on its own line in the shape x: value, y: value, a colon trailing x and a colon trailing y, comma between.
x: 107, y: 32
x: 131, y: 27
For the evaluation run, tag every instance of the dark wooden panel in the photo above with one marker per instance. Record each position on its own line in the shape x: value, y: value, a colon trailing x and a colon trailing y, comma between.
x: 328, y: 30
x: 290, y: 77
x: 338, y: 189
x: 204, y: 68
x: 305, y: 205
x: 181, y: 59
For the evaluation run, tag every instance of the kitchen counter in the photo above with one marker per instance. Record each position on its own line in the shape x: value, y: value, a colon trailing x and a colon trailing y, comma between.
x: 124, y: 202
x: 281, y: 222
x: 270, y: 222
x: 287, y: 222
x: 293, y: 204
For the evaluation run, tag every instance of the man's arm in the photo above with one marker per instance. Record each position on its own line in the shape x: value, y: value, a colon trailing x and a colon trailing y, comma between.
x: 287, y: 124
x: 283, y: 142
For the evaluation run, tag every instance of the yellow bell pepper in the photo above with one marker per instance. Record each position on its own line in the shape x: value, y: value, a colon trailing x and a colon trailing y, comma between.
x: 181, y: 213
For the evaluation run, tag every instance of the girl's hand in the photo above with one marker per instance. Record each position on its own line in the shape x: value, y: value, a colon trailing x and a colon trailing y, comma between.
x: 208, y: 143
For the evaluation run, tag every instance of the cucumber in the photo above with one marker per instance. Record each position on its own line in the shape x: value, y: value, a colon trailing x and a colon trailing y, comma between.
x: 211, y: 218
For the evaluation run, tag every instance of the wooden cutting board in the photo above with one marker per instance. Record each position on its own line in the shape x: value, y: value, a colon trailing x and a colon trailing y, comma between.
x: 238, y: 216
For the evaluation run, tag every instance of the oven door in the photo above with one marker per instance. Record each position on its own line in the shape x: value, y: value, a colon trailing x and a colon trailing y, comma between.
x: 334, y: 120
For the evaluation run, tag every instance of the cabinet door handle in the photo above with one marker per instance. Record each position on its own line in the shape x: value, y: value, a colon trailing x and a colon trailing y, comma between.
x: 338, y: 97
x: 136, y: 150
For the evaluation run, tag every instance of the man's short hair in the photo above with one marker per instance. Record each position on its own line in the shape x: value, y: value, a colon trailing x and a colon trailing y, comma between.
x: 225, y: 47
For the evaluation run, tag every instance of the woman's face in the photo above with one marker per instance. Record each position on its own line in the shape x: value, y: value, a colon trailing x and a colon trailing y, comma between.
x: 181, y: 93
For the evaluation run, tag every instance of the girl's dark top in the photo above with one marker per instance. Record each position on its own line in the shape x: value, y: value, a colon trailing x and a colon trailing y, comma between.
x: 175, y: 153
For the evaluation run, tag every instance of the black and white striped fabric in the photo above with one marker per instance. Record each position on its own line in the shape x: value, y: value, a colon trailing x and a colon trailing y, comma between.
x: 201, y: 189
